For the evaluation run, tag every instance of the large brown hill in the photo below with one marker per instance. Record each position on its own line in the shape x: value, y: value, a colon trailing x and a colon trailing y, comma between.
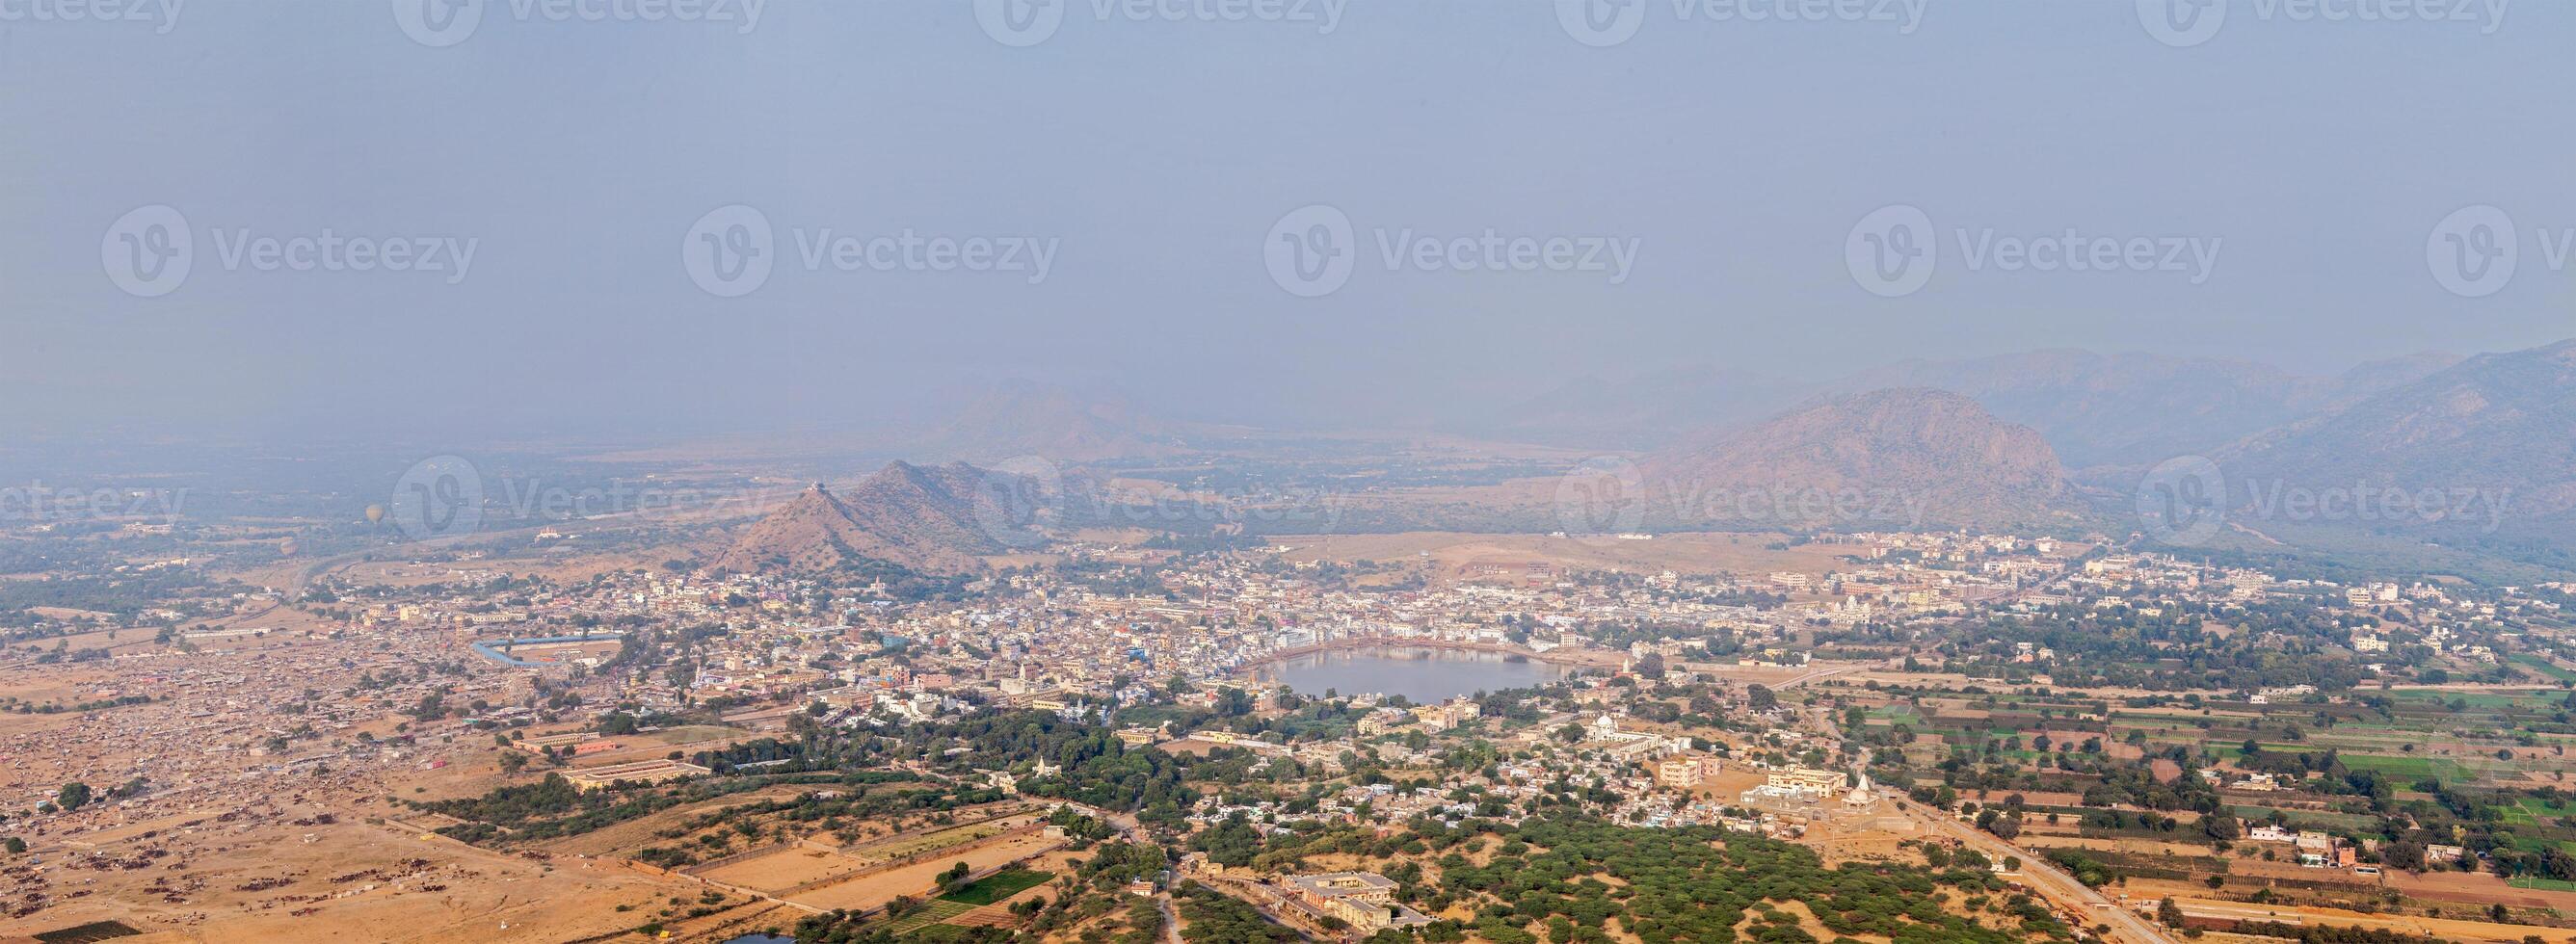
x: 936, y: 519
x: 1939, y: 454
x: 2499, y: 424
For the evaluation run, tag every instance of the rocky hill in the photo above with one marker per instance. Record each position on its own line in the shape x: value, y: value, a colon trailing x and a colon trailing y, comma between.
x: 936, y: 519
x: 1924, y: 457
x: 2500, y: 424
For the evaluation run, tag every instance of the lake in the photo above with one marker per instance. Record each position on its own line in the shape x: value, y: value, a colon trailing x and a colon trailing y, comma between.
x: 1422, y: 674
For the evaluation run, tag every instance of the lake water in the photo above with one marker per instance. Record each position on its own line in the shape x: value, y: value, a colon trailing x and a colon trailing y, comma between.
x: 1422, y: 674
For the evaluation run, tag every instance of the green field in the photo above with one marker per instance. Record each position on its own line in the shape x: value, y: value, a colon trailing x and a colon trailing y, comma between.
x: 998, y: 886
x: 2544, y: 667
x: 2409, y: 768
x: 2531, y: 811
x: 931, y: 913
x: 1896, y: 714
x: 2480, y: 701
x: 2543, y: 884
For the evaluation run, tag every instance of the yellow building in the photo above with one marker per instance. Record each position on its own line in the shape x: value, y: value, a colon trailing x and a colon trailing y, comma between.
x: 1818, y: 782
x: 1684, y: 773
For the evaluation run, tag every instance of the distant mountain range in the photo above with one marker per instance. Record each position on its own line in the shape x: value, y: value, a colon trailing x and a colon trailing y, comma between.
x: 2140, y: 409
x: 2501, y: 426
x: 2045, y: 440
x: 1892, y: 458
x: 933, y: 520
x: 2094, y: 409
x: 2483, y: 449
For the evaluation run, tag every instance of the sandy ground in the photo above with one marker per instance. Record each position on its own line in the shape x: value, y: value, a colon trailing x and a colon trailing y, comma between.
x: 875, y: 852
x: 2448, y: 929
x: 875, y: 890
x: 352, y: 880
x: 784, y: 869
x: 2481, y: 888
x: 2035, y: 839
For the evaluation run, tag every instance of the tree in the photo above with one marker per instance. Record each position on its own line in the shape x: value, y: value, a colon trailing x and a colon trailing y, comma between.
x: 73, y: 796
x: 14, y: 845
x: 2220, y: 826
x: 2403, y: 855
x: 1233, y: 842
x: 2169, y: 913
x: 1761, y: 698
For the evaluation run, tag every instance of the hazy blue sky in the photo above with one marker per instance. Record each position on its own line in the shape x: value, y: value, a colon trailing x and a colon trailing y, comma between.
x: 1156, y: 154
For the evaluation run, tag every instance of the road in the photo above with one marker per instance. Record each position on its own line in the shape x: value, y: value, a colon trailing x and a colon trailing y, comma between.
x: 2045, y: 878
x: 1171, y: 920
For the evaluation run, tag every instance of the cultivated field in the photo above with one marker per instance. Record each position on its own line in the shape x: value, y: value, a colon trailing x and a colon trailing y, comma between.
x: 878, y: 853
x: 875, y: 889
x: 784, y: 869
